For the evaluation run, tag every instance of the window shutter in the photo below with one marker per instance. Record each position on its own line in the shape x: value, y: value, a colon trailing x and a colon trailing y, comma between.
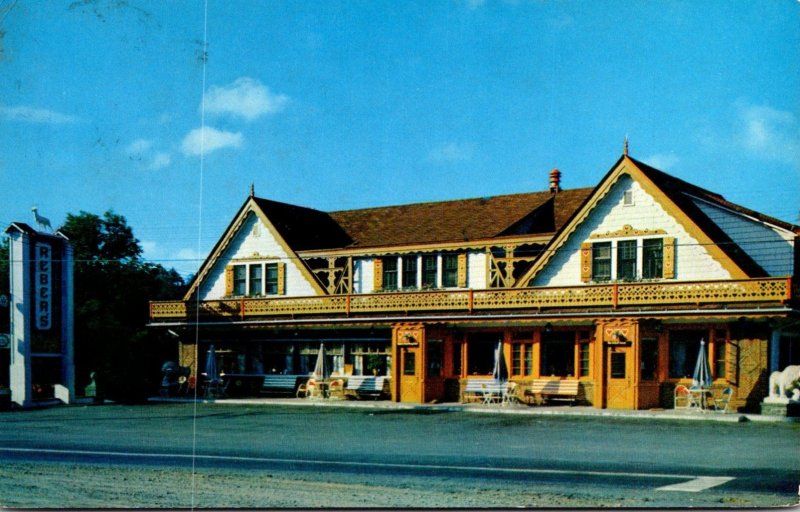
x: 462, y: 270
x: 281, y: 278
x: 669, y: 258
x: 586, y: 262
x: 377, y: 274
x: 229, y: 280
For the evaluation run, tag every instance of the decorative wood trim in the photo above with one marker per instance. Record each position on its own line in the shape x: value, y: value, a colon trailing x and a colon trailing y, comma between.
x: 229, y: 280
x: 462, y: 270
x: 377, y: 274
x: 586, y: 262
x: 668, y: 266
x: 628, y: 231
x: 281, y: 278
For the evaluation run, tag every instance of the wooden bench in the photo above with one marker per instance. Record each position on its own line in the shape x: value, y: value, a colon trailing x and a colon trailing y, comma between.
x: 484, y: 390
x: 549, y: 389
x: 280, y: 384
x: 367, y: 385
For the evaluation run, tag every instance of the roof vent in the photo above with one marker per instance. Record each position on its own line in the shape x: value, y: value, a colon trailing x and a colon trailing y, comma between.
x: 555, y: 181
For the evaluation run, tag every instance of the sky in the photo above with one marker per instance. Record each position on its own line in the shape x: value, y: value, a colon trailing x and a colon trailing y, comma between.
x: 167, y: 111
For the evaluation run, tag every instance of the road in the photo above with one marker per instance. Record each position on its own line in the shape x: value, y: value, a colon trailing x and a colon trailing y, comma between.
x: 438, y: 459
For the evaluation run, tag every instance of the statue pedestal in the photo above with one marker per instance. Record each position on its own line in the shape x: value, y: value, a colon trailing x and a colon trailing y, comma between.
x: 780, y: 407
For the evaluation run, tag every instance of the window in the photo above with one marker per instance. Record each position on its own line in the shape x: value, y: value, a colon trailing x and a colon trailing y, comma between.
x: 618, y: 365
x: 719, y: 358
x: 239, y: 280
x: 272, y: 279
x: 480, y: 352
x: 430, y: 271
x: 389, y: 273
x: 652, y: 258
x: 450, y: 270
x: 409, y: 271
x: 435, y: 354
x: 601, y: 261
x: 627, y: 198
x: 557, y: 354
x: 585, y: 359
x: 649, y: 363
x: 684, y: 347
x: 409, y: 362
x: 626, y: 259
x: 522, y: 353
x: 457, y: 358
x: 255, y: 287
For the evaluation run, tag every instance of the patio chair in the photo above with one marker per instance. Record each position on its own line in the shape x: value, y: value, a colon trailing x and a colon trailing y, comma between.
x: 312, y: 389
x: 722, y: 404
x: 684, y: 398
x: 510, y: 394
x: 336, y: 389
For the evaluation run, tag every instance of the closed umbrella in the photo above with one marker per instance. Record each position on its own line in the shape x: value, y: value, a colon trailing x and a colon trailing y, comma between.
x: 211, y: 371
x: 500, y: 371
x: 321, y: 370
x: 701, y: 378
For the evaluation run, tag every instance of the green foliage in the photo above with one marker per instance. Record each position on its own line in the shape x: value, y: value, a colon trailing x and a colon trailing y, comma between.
x: 112, y: 289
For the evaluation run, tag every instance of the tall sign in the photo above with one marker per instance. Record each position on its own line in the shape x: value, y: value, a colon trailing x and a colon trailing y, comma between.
x: 41, y: 344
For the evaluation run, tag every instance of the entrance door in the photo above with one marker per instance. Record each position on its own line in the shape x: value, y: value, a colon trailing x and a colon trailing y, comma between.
x: 410, y: 371
x: 619, y: 378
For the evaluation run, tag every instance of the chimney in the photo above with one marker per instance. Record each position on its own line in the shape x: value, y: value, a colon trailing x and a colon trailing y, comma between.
x: 555, y: 181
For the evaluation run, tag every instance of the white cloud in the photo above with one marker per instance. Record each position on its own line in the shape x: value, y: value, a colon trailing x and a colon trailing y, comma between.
x: 662, y: 161
x: 206, y: 139
x: 475, y: 4
x: 149, y: 249
x: 451, y: 152
x: 245, y: 97
x: 35, y: 115
x: 159, y: 161
x: 139, y: 147
x: 768, y: 132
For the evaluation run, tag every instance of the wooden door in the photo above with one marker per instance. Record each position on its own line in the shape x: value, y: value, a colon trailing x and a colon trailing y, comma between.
x: 620, y: 377
x: 410, y: 371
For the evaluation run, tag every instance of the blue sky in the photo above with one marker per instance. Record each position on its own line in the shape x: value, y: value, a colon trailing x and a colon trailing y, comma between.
x: 165, y: 112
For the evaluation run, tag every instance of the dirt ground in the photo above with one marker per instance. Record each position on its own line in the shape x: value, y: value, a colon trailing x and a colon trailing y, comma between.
x: 24, y: 485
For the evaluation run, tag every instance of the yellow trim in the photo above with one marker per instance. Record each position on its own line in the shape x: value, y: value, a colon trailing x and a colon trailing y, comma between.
x: 626, y: 166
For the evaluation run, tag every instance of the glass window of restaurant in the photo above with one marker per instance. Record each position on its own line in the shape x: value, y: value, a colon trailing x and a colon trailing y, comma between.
x: 480, y: 352
x: 522, y: 353
x: 684, y: 346
x: 557, y: 354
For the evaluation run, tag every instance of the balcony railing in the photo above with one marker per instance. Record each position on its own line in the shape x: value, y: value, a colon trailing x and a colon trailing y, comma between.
x: 590, y: 296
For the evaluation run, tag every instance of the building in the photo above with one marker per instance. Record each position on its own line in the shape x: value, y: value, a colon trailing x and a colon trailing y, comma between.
x: 613, y: 286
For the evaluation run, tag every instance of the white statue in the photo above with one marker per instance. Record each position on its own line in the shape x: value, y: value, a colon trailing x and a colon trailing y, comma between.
x: 785, y: 384
x: 43, y: 222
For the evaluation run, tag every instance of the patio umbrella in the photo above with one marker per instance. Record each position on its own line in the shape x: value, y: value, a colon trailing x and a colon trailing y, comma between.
x: 211, y: 364
x: 500, y: 371
x: 701, y: 378
x: 321, y: 370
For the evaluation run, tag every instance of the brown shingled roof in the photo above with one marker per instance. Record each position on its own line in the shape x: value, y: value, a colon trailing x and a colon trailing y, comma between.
x: 460, y: 220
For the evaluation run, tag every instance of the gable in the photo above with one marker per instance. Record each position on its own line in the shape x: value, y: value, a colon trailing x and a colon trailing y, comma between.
x: 610, y: 219
x: 251, y: 237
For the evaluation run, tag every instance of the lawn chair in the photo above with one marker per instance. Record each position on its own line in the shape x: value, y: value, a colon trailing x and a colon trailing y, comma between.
x: 722, y: 403
x: 684, y: 398
x: 510, y: 394
x: 336, y: 389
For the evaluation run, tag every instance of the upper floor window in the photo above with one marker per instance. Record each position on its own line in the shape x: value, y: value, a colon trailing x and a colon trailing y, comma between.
x: 629, y: 259
x: 410, y: 271
x: 450, y: 270
x: 254, y: 279
x: 430, y: 271
x: 626, y: 259
x: 390, y: 273
x: 601, y: 261
x: 652, y: 258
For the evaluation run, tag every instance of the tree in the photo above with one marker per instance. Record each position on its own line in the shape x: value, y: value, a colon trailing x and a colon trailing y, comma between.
x: 112, y: 288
